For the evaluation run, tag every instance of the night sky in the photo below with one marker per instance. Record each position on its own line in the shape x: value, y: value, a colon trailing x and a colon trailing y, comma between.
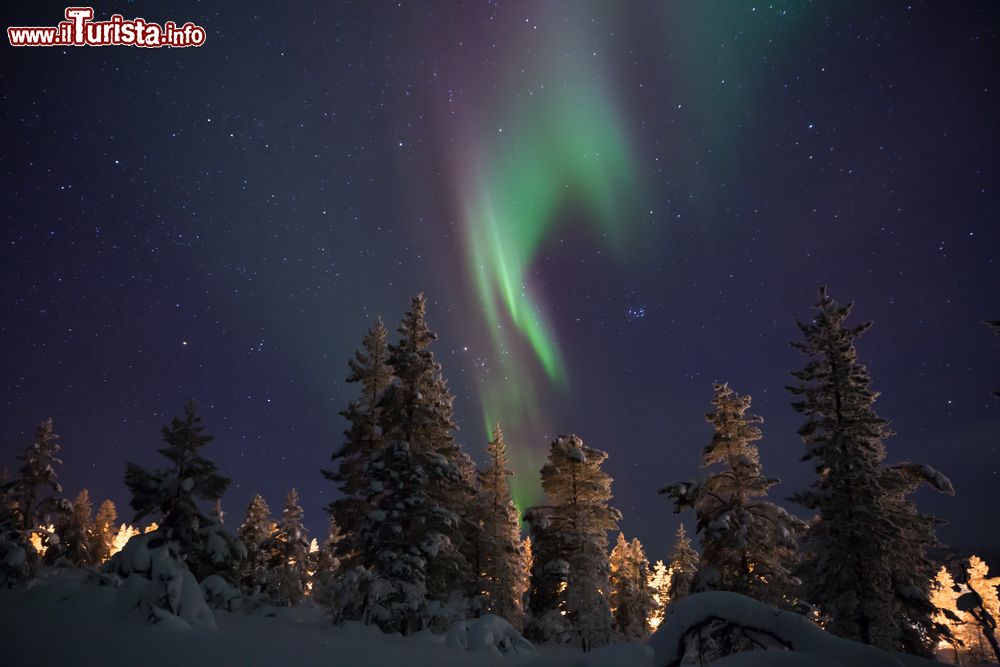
x: 609, y: 205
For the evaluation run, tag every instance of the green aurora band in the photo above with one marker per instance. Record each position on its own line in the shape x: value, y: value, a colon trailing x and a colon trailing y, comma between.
x: 565, y: 151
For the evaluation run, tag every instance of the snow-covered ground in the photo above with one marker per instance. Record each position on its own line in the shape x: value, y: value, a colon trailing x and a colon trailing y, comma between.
x: 66, y: 620
x: 70, y: 622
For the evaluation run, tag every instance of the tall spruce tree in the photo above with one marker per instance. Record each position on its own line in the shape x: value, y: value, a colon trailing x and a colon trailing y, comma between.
x: 862, y: 557
x: 501, y: 556
x: 420, y: 490
x: 173, y: 494
x: 75, y: 533
x: 363, y: 441
x: 325, y: 559
x: 548, y: 576
x: 419, y: 411
x: 256, y: 534
x: 579, y: 491
x: 683, y: 565
x: 748, y: 544
x: 632, y: 597
x: 103, y: 534
x: 290, y: 557
x: 35, y: 491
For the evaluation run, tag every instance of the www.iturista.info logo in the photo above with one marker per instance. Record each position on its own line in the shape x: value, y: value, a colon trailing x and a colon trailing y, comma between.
x: 79, y: 29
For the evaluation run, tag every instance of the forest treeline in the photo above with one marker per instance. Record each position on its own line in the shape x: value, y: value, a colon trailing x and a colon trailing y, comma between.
x: 421, y: 538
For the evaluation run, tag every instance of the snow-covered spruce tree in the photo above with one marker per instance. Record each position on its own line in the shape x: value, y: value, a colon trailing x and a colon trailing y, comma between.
x: 289, y: 571
x: 683, y: 566
x: 36, y: 489
x: 173, y: 494
x: 420, y: 490
x: 980, y: 602
x: 912, y: 570
x: 969, y: 643
x: 660, y: 583
x: 579, y: 492
x: 632, y: 603
x: 75, y: 534
x: 501, y: 556
x: 326, y: 567
x: 363, y: 440
x: 748, y: 545
x: 325, y: 560
x: 255, y: 533
x: 545, y: 618
x: 103, y: 532
x: 865, y: 549
x: 31, y: 500
x: 419, y: 412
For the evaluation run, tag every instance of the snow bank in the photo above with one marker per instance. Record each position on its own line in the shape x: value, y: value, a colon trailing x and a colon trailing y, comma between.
x: 157, y: 583
x: 488, y: 634
x: 796, y: 640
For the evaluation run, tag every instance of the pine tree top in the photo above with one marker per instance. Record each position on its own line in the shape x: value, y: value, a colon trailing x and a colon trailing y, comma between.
x: 735, y: 431
x: 40, y: 459
x: 683, y: 555
x: 174, y: 491
x: 415, y: 334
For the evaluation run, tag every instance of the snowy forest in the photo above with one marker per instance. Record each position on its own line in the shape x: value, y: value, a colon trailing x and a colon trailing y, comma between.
x: 425, y: 544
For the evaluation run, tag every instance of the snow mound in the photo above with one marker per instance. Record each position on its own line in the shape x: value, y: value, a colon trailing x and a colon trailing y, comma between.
x: 715, y: 624
x: 488, y: 634
x: 156, y: 582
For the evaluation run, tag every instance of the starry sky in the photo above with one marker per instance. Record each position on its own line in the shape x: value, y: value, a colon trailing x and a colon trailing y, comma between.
x: 608, y: 205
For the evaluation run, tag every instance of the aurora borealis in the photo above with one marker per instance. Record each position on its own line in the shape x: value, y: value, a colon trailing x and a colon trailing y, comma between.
x: 608, y: 205
x: 566, y: 149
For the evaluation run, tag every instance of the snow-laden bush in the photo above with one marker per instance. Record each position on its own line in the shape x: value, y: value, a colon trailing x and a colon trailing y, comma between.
x: 157, y: 582
x: 488, y: 634
x: 440, y: 616
x: 220, y: 594
x: 354, y: 595
x: 15, y: 560
x: 706, y: 627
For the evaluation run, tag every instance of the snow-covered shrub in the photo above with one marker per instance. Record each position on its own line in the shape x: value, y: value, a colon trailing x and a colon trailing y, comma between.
x: 488, y: 634
x: 705, y: 627
x: 16, y: 559
x: 354, y: 595
x: 442, y: 615
x: 220, y: 594
x: 157, y: 582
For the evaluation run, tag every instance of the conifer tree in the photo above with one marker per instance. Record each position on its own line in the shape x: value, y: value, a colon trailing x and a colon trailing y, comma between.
x: 660, y: 582
x: 290, y: 560
x: 75, y: 533
x: 326, y: 557
x: 861, y: 560
x: 548, y: 576
x: 417, y: 478
x: 256, y: 533
x: 103, y: 533
x: 748, y: 544
x: 363, y: 441
x: 632, y: 603
x: 419, y: 412
x: 501, y: 558
x: 981, y: 602
x: 36, y: 488
x: 683, y: 566
x: 579, y: 521
x: 173, y: 494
